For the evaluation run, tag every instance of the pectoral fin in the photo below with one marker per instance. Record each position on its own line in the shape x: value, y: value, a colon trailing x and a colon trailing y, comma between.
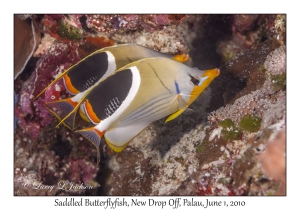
x: 176, y: 114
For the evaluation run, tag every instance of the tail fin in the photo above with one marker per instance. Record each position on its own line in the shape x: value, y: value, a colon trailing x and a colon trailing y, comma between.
x: 82, y: 98
x: 61, y: 109
x: 93, y: 135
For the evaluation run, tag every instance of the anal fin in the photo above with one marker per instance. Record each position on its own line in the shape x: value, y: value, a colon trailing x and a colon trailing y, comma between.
x: 116, y: 148
x: 119, y: 137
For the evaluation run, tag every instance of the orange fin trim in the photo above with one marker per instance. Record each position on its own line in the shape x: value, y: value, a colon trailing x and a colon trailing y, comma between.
x: 91, y: 114
x: 83, y: 116
x: 71, y: 89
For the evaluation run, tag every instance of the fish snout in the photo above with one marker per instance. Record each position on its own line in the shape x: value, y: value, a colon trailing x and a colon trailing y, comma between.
x: 215, y: 72
x: 212, y: 73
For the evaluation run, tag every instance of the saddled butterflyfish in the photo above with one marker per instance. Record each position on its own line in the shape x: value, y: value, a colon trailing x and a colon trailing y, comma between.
x: 79, y: 78
x: 125, y: 103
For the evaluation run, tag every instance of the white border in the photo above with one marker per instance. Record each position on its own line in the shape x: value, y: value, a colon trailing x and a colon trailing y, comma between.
x: 155, y: 6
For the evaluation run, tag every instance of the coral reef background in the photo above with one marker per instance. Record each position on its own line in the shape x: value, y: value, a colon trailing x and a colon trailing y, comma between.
x: 231, y: 142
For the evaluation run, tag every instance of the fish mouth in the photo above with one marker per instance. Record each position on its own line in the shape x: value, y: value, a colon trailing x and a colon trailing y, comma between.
x: 215, y: 71
x: 212, y: 73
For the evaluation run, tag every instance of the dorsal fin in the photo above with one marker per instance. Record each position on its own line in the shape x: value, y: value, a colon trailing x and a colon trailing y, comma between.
x: 65, y: 72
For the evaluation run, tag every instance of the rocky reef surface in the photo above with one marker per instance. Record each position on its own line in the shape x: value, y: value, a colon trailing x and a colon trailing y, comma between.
x: 231, y: 142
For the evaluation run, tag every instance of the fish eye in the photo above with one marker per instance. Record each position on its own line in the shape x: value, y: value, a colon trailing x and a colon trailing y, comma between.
x: 195, y: 81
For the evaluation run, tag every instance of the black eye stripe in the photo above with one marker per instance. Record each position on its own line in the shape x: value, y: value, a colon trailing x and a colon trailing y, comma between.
x: 194, y: 80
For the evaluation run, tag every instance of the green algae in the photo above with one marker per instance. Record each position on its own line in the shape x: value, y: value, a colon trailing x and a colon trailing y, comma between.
x: 250, y: 123
x: 278, y: 81
x: 229, y: 131
x: 228, y: 55
x: 68, y: 32
x: 180, y: 160
x: 226, y: 123
x: 225, y: 180
x: 201, y: 148
x: 262, y: 69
